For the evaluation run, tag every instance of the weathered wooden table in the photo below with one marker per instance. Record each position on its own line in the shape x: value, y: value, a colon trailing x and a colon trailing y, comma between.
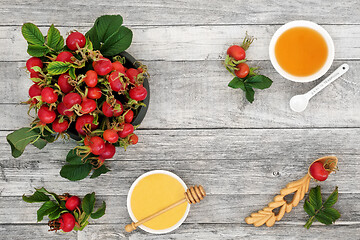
x: 196, y: 126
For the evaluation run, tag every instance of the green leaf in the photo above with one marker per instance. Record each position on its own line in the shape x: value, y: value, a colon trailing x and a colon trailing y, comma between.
x: 75, y: 172
x: 60, y: 44
x: 315, y: 198
x: 100, y: 212
x: 40, y: 143
x: 56, y: 214
x: 37, y: 50
x: 249, y: 93
x: 57, y: 68
x: 117, y: 42
x: 101, y: 170
x: 47, y: 208
x: 332, y: 213
x: 19, y: 139
x: 259, y: 81
x: 332, y: 199
x: 92, y: 35
x: 309, y: 222
x: 237, y: 83
x: 88, y: 203
x: 53, y: 37
x: 32, y: 34
x: 72, y: 158
x: 323, y: 218
x: 309, y: 209
x: 54, y: 195
x: 106, y: 25
x: 36, y: 197
x: 72, y: 73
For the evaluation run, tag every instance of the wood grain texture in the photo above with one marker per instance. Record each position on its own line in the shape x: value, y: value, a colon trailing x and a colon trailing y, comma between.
x: 226, y: 231
x: 191, y: 43
x: 180, y: 12
x: 223, y: 160
x: 217, y: 208
x: 185, y: 96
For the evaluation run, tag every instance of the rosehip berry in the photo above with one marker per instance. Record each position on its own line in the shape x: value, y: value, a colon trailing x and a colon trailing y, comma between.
x: 46, y: 115
x: 75, y: 40
x: 109, y: 151
x: 133, y: 139
x: 129, y: 116
x: 35, y: 90
x: 82, y: 121
x: 132, y: 74
x: 64, y: 84
x: 117, y: 66
x: 60, y: 127
x: 72, y: 203
x: 97, y: 145
x: 94, y: 93
x: 71, y: 99
x: 138, y: 93
x: 91, y: 78
x: 33, y: 62
x: 63, y: 110
x: 102, y: 66
x: 110, y: 135
x: 115, y: 83
x: 67, y: 222
x: 48, y: 95
x: 64, y: 57
x: 88, y: 105
x: 127, y: 129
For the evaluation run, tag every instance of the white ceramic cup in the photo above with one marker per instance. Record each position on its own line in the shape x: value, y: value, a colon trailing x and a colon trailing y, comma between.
x: 317, y: 28
x: 134, y: 219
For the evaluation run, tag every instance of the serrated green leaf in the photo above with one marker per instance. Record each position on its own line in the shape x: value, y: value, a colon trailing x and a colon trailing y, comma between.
x: 237, y: 83
x: 259, y: 81
x: 88, y: 203
x: 92, y: 35
x: 53, y: 37
x: 89, y: 44
x: 117, y: 42
x: 309, y: 209
x: 332, y: 199
x: 36, y: 197
x: 40, y: 143
x: 60, y: 45
x: 72, y: 158
x: 72, y: 73
x: 54, y: 195
x: 323, y: 218
x: 315, y: 198
x: 106, y: 25
x: 101, y: 170
x: 56, y: 214
x: 249, y: 93
x: 47, y: 208
x: 19, y: 139
x: 57, y: 68
x: 32, y: 34
x: 332, y: 213
x: 75, y: 172
x: 100, y: 212
x: 37, y: 50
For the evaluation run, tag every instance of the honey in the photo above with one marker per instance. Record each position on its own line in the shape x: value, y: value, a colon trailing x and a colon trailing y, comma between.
x: 156, y: 192
x: 301, y: 51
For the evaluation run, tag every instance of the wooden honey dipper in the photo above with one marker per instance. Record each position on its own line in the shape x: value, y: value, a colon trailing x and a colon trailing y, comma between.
x: 192, y: 195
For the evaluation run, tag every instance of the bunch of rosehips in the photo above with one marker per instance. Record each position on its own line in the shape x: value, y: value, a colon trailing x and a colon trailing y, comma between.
x: 246, y: 78
x: 99, y: 96
x: 65, y: 212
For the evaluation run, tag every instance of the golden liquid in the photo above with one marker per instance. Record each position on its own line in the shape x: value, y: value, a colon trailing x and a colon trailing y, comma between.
x: 156, y: 192
x: 301, y: 51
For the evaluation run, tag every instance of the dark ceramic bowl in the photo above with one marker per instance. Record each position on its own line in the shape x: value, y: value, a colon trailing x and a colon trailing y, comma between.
x: 141, y: 111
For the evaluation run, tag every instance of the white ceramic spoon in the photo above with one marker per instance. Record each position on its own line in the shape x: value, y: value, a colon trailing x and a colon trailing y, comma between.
x: 299, y: 103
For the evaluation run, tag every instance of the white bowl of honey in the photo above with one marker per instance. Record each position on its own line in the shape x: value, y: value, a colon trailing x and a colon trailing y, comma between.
x: 301, y: 51
x: 152, y: 192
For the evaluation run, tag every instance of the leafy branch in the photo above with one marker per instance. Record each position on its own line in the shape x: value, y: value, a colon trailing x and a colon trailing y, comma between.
x: 319, y: 210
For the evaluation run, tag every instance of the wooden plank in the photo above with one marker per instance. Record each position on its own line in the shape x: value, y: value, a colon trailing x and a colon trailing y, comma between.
x: 225, y: 161
x: 185, y: 96
x: 180, y: 12
x: 34, y: 231
x: 225, y: 231
x: 191, y: 43
x: 231, y: 208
